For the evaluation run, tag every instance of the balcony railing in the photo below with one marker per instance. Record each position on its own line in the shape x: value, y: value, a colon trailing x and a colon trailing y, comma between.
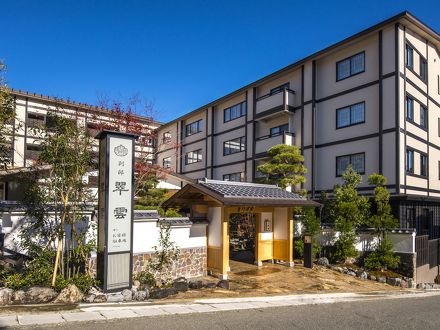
x: 263, y: 143
x: 282, y: 100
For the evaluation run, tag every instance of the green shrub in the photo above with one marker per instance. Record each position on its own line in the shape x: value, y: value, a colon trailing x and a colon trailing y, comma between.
x: 146, y: 279
x: 82, y: 282
x: 382, y: 257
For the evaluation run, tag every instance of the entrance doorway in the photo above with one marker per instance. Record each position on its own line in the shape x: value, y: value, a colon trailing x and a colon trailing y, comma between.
x: 242, y: 237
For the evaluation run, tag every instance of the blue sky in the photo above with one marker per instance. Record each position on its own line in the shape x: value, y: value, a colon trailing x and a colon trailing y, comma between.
x: 178, y: 54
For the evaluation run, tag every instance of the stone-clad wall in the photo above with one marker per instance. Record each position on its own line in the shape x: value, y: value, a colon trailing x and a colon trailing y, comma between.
x: 192, y: 262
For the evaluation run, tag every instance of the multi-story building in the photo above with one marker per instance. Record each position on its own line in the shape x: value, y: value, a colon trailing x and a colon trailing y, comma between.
x: 371, y: 100
x: 31, y: 113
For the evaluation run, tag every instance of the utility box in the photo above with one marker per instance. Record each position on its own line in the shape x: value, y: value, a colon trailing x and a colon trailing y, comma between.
x: 308, y: 251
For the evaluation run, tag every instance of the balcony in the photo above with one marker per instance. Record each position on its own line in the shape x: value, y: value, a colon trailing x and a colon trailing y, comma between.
x: 272, y: 103
x: 263, y: 143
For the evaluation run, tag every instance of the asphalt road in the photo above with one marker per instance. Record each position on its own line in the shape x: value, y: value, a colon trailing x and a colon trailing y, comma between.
x: 408, y: 313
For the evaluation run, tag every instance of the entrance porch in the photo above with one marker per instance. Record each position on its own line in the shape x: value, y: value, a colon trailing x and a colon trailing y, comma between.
x: 261, y: 217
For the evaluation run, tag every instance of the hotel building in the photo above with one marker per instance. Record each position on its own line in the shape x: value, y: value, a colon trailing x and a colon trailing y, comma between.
x: 371, y: 100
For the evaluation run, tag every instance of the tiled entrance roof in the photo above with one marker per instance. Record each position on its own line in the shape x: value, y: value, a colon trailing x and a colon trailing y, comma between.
x: 230, y: 189
x: 236, y: 193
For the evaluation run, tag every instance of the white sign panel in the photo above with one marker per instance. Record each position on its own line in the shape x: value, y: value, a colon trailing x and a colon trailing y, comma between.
x: 119, y: 207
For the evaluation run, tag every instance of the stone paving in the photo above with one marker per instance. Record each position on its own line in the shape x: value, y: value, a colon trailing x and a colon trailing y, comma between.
x: 102, y: 312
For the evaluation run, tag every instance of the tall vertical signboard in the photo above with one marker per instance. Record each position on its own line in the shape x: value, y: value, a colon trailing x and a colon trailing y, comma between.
x: 115, y: 214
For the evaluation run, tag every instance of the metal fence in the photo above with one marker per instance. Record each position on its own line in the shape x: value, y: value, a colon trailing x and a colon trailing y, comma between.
x: 433, y: 246
x: 422, y: 249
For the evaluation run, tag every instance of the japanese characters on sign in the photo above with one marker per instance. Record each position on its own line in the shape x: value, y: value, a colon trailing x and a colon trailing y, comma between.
x: 120, y: 180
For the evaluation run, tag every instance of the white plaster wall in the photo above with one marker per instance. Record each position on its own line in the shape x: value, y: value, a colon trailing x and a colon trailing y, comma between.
x: 280, y: 223
x: 214, y: 227
x: 146, y: 235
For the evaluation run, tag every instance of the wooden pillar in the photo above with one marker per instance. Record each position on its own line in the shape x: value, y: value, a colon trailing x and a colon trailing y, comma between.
x: 258, y: 261
x: 225, y: 244
x: 290, y: 236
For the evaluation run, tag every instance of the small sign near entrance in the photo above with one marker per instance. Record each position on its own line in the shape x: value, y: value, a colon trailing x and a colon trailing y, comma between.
x: 245, y: 209
x: 115, y: 218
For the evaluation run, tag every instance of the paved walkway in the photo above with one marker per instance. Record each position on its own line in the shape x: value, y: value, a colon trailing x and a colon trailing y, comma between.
x: 102, y: 312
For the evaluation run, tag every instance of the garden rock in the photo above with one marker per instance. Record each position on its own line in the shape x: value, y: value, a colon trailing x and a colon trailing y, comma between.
x: 180, y: 285
x: 162, y: 293
x: 127, y: 295
x: 94, y: 291
x: 19, y: 297
x: 403, y: 284
x: 394, y: 281
x: 323, y: 261
x: 89, y: 298
x: 195, y: 285
x: 224, y: 284
x: 6, y: 296
x: 372, y: 277
x: 381, y: 279
x: 362, y: 275
x: 141, y: 295
x: 100, y: 298
x: 38, y: 294
x: 351, y: 273
x: 115, y: 297
x: 210, y: 285
x: 69, y: 295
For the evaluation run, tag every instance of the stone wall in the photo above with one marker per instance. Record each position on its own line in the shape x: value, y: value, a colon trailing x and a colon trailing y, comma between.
x: 192, y: 262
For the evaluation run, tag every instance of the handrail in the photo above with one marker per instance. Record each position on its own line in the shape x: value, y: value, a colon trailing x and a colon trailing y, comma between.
x: 274, y: 93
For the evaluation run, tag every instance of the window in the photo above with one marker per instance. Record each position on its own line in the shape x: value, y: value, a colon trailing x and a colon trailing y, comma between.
x: 232, y: 177
x: 166, y: 137
x: 351, y: 115
x: 410, y: 161
x: 193, y: 128
x: 439, y: 170
x: 350, y: 66
x: 278, y: 130
x: 166, y: 162
x: 423, y: 116
x: 234, y: 146
x: 33, y: 151
x: 193, y: 157
x: 280, y: 88
x: 357, y: 161
x: 35, y: 120
x: 409, y: 57
x: 423, y: 165
x: 423, y: 69
x: 409, y: 108
x: 234, y: 112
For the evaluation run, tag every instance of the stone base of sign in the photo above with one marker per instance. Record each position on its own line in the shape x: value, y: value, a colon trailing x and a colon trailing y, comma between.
x: 192, y: 262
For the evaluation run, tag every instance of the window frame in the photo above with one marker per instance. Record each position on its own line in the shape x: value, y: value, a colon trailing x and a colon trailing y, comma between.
x: 163, y: 162
x: 407, y: 64
x: 425, y: 122
x: 407, y: 153
x: 350, y: 162
x: 235, y: 173
x: 197, y: 123
x: 243, y: 111
x: 280, y: 132
x: 199, y: 159
x: 408, y: 97
x: 242, y: 146
x: 423, y: 69
x: 423, y: 165
x: 349, y: 59
x: 280, y: 88
x: 166, y: 140
x: 350, y: 109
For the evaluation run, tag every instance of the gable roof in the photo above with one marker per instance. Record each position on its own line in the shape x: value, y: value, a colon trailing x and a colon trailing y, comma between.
x: 237, y: 193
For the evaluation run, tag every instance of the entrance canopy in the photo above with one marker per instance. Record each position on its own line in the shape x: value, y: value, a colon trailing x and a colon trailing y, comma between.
x: 227, y: 193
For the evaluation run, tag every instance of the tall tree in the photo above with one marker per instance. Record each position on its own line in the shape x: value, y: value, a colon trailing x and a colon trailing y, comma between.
x: 350, y: 211
x: 58, y: 198
x: 382, y: 221
x: 7, y: 116
x: 285, y: 167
